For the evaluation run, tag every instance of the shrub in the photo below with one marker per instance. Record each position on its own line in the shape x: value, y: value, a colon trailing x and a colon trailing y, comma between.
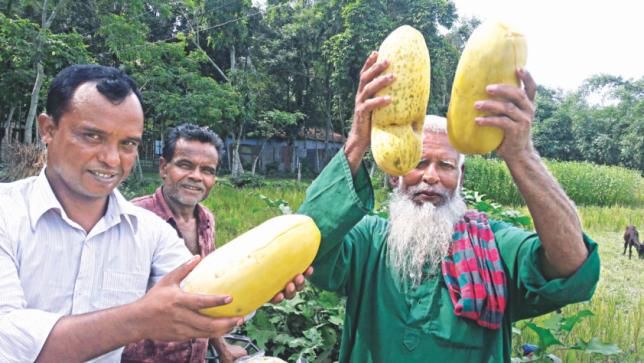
x: 585, y: 183
x: 248, y: 180
x: 24, y: 160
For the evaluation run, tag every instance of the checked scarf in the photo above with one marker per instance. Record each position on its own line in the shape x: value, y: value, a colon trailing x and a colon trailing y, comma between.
x: 473, y: 272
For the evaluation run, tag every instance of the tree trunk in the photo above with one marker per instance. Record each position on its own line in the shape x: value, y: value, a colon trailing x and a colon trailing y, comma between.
x: 299, y: 172
x: 317, y: 158
x: 261, y: 150
x: 237, y: 167
x: 294, y: 158
x: 33, y: 106
x: 195, y: 41
x: 138, y: 170
x: 233, y: 64
x: 328, y: 133
x: 7, y: 124
x: 229, y: 157
x: 7, y: 11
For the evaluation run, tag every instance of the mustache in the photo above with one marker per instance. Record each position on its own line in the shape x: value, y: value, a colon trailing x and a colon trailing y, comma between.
x: 424, y: 188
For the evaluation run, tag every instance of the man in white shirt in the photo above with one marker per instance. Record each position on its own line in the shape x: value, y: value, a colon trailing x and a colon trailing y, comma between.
x: 82, y: 271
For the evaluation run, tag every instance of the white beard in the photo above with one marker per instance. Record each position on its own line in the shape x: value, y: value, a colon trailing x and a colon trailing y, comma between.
x: 420, y: 234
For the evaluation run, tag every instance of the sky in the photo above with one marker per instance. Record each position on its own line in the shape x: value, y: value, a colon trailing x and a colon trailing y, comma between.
x: 570, y: 40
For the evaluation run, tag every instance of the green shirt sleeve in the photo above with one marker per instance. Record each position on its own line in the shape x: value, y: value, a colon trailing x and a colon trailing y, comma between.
x: 530, y: 293
x: 337, y: 202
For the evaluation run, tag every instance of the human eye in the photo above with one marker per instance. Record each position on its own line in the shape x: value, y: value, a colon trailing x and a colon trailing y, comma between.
x: 184, y: 165
x: 422, y: 164
x: 446, y: 164
x: 208, y: 171
x: 131, y: 143
x: 92, y: 136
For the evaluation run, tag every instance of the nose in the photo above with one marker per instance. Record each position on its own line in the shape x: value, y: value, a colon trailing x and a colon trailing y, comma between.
x: 430, y: 176
x: 110, y: 156
x: 195, y: 175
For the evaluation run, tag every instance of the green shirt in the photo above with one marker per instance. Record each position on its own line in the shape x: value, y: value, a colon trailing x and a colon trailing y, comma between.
x: 386, y: 322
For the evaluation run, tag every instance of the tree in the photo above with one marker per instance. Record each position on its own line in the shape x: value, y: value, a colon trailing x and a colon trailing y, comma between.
x: 365, y: 25
x: 552, y: 130
x: 42, y: 38
x: 272, y: 123
x: 19, y: 57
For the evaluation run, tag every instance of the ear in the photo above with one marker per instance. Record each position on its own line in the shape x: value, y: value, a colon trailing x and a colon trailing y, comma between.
x: 46, y: 127
x: 162, y: 165
x: 462, y: 178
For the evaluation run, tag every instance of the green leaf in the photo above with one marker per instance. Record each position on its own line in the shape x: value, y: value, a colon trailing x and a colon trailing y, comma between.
x: 483, y: 206
x: 553, y: 322
x: 546, y: 338
x: 338, y: 321
x: 596, y: 346
x: 569, y: 322
x: 524, y: 221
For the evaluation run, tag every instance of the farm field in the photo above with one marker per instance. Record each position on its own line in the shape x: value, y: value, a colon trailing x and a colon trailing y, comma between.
x: 618, y: 304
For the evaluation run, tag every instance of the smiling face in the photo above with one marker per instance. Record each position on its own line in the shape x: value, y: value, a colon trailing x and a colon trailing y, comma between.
x: 189, y: 176
x: 92, y: 147
x: 436, y: 177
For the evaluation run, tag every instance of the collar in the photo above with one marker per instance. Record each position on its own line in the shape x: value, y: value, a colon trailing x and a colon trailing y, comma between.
x: 42, y: 199
x: 164, y: 211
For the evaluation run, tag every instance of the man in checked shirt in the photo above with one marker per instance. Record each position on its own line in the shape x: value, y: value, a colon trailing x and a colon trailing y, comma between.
x: 188, y: 168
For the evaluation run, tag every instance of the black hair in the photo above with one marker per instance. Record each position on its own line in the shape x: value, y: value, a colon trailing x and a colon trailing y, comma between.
x: 112, y: 83
x: 190, y: 132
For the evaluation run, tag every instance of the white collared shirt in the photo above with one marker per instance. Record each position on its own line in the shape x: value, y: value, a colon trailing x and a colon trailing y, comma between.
x: 50, y: 267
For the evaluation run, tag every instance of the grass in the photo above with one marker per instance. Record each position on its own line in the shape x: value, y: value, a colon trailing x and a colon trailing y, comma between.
x: 238, y: 210
x: 585, y: 183
x: 618, y: 303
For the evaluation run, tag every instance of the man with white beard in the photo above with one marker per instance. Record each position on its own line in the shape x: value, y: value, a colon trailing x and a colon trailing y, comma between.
x: 436, y: 281
x: 410, y: 247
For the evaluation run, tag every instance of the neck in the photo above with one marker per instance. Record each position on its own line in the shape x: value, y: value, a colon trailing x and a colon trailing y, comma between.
x: 180, y: 211
x: 83, y: 210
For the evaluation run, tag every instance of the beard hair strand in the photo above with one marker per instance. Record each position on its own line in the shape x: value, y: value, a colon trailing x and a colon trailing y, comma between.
x: 420, y: 235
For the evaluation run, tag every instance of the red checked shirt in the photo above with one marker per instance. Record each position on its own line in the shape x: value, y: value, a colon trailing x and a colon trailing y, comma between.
x: 194, y: 350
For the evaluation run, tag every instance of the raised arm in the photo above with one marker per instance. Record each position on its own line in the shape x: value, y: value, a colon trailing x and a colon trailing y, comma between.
x: 370, y: 83
x: 555, y: 216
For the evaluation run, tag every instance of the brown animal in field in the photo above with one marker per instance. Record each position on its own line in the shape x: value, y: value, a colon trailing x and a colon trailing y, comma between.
x: 632, y: 239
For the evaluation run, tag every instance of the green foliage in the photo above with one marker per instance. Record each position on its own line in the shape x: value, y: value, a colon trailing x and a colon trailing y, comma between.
x: 132, y: 188
x: 280, y: 204
x: 601, y: 122
x: 617, y: 310
x: 308, y: 326
x: 239, y: 209
x: 248, y: 180
x: 590, y: 184
x: 585, y: 183
x: 18, y: 56
x: 495, y: 210
x: 553, y: 331
x: 613, y: 218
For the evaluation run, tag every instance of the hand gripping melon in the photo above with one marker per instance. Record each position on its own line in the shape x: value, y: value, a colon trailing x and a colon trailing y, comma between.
x: 255, y: 266
x: 396, y: 129
x: 492, y: 55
